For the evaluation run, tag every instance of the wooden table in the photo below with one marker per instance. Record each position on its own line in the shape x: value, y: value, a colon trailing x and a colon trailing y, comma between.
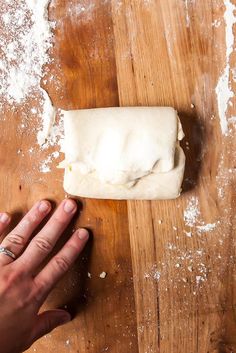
x: 170, y: 288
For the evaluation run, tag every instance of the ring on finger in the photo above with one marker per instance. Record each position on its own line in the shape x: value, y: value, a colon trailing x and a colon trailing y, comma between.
x: 7, y: 252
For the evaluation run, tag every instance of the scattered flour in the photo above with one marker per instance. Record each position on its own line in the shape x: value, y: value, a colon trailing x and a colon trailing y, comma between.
x: 232, y: 120
x: 25, y: 43
x: 55, y: 133
x: 188, y: 234
x: 103, y: 275
x: 223, y: 89
x: 225, y: 176
x: 45, y: 165
x: 67, y: 342
x: 199, y: 279
x: 233, y: 70
x: 192, y: 212
x: 84, y: 11
x: 192, y: 218
x: 153, y: 273
x: 216, y: 23
x: 48, y: 119
x: 207, y: 227
x: 157, y: 275
x: 185, y: 268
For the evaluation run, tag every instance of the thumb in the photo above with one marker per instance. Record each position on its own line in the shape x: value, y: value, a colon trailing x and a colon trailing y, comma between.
x: 48, y: 321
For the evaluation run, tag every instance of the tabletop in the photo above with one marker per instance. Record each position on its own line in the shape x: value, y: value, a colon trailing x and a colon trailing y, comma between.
x: 169, y: 282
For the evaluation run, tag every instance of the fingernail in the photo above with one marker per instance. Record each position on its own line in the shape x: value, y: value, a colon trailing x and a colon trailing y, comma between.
x: 4, y: 218
x: 43, y: 206
x: 65, y: 319
x: 69, y: 206
x: 83, y: 234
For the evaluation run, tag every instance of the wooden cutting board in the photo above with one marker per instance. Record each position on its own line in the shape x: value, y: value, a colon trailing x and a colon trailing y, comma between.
x: 170, y: 287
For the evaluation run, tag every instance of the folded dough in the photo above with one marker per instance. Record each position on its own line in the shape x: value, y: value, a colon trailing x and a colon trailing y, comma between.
x: 123, y: 153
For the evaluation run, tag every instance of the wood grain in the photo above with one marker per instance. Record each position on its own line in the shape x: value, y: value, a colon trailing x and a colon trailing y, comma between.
x: 168, y: 64
x: 165, y: 291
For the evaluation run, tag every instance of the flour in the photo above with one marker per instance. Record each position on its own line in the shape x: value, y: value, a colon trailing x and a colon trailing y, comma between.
x: 45, y: 165
x: 223, y: 89
x: 52, y: 133
x: 153, y: 273
x: 216, y: 23
x: 192, y: 218
x: 157, y: 275
x: 188, y: 234
x: 25, y: 43
x: 192, y: 212
x: 233, y: 70
x: 103, y: 275
x: 225, y: 175
x: 181, y: 268
x: 85, y: 12
x: 199, y: 279
x: 48, y: 119
x: 206, y: 228
x: 232, y: 120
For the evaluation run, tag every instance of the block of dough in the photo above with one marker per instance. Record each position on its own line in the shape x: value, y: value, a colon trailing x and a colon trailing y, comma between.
x: 123, y: 153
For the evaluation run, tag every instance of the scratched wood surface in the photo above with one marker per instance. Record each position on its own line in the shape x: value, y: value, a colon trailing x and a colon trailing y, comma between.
x: 169, y: 288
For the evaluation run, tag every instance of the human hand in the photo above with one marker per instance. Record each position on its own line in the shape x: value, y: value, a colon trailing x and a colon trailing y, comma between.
x: 22, y: 293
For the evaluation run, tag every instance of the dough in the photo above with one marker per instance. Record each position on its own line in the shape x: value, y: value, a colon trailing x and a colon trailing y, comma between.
x: 123, y: 153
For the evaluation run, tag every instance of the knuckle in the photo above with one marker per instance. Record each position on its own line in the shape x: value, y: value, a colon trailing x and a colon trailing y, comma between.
x: 23, y: 302
x: 62, y: 263
x: 38, y: 293
x: 16, y: 239
x: 14, y: 276
x: 11, y: 280
x: 43, y: 244
x: 17, y: 277
x: 6, y: 281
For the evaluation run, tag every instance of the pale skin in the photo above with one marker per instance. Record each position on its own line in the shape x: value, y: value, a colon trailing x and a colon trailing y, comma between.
x: 21, y: 292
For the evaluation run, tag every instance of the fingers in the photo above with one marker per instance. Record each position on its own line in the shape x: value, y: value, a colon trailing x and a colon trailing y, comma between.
x: 60, y: 264
x: 42, y: 244
x: 18, y: 238
x: 4, y: 222
x: 48, y: 321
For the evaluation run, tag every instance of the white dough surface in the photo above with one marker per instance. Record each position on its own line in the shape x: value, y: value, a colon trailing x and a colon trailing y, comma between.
x: 123, y: 153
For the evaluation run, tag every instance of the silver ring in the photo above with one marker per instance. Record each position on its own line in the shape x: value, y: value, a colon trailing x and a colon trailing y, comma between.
x: 7, y: 252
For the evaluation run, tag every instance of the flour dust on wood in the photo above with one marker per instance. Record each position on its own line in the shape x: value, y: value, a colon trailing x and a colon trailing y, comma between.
x: 25, y: 43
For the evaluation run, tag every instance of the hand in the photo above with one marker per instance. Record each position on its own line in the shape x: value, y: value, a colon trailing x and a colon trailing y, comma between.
x: 21, y: 292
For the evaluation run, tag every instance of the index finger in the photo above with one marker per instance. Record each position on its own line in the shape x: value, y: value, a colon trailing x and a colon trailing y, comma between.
x: 18, y: 238
x: 43, y: 243
x: 5, y: 219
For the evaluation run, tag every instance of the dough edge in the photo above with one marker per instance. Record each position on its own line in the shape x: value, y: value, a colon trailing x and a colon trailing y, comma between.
x: 161, y: 186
